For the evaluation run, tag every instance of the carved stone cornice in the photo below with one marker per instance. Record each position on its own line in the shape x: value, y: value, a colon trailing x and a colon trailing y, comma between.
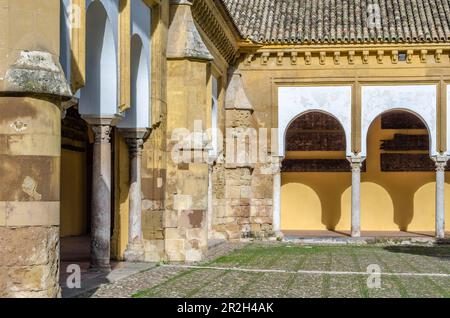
x: 209, y: 18
x: 277, y: 55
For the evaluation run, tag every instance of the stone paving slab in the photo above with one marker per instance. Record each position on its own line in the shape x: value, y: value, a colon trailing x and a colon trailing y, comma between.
x: 270, y: 270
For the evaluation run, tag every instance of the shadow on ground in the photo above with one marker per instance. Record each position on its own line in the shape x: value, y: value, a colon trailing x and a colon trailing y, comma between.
x: 440, y: 252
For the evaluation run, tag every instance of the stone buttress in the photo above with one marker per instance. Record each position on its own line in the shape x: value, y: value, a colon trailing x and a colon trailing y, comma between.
x: 32, y: 88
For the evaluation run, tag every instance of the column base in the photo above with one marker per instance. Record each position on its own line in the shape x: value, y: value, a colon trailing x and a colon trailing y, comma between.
x: 356, y: 233
x: 278, y: 235
x: 100, y: 266
x: 134, y: 253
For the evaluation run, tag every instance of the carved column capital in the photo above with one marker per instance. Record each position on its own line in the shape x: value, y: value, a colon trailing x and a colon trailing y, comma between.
x: 101, y: 133
x: 135, y: 146
x: 135, y: 138
x: 356, y: 162
x: 440, y: 162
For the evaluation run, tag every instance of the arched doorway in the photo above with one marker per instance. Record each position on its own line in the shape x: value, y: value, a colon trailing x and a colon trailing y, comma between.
x: 315, y: 173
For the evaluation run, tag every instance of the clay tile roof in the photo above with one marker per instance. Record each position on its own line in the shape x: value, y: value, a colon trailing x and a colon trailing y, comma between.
x: 341, y: 21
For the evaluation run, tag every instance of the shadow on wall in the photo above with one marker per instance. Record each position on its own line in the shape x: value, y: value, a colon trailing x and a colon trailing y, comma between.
x: 390, y: 201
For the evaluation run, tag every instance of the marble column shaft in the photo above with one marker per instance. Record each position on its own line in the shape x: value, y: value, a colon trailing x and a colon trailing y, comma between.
x: 101, y: 199
x: 441, y: 163
x: 135, y: 249
x: 356, y: 163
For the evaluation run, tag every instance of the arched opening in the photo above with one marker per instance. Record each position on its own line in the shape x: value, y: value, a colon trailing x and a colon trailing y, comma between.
x: 315, y: 173
x: 97, y: 98
x: 137, y: 116
x: 398, y: 160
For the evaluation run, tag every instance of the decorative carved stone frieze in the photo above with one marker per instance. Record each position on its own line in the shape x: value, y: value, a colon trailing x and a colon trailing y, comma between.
x: 438, y: 56
x: 337, y: 57
x: 322, y: 58
x: 307, y: 58
x: 294, y: 58
x: 265, y: 58
x: 380, y: 56
x: 423, y: 56
x: 280, y: 56
x: 351, y: 57
x: 394, y: 57
x: 409, y: 56
x: 333, y: 56
x: 365, y: 57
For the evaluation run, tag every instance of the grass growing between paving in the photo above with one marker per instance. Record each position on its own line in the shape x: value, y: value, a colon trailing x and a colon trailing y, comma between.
x: 271, y: 270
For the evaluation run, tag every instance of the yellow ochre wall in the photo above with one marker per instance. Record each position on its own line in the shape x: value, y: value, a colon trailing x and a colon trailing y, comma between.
x: 73, y: 193
x: 390, y: 201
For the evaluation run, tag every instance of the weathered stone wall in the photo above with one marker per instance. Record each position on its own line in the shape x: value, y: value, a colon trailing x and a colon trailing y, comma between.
x: 30, y: 143
x: 185, y: 223
x: 32, y: 86
x: 242, y: 205
x: 154, y: 157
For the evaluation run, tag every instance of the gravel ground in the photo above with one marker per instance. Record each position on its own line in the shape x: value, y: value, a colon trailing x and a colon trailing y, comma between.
x: 126, y: 287
x: 172, y: 281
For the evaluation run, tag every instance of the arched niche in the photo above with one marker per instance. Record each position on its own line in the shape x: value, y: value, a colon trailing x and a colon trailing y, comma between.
x: 295, y: 101
x: 420, y: 100
x: 139, y: 114
x: 99, y: 96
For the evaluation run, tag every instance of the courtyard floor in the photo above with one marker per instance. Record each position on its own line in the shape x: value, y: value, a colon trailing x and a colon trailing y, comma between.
x: 289, y: 270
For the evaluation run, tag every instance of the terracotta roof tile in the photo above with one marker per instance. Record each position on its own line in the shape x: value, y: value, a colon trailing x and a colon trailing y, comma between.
x: 341, y: 21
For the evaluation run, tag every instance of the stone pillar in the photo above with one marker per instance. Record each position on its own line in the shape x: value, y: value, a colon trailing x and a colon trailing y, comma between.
x: 30, y: 150
x: 135, y: 248
x: 188, y: 106
x: 356, y: 163
x: 240, y: 161
x: 277, y: 197
x: 441, y: 163
x: 101, y: 195
x: 32, y: 88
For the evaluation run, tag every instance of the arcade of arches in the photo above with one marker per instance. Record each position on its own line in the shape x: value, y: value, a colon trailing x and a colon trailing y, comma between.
x: 92, y: 93
x: 397, y: 178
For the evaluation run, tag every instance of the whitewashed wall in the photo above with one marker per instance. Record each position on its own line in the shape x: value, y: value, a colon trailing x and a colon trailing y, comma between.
x: 295, y: 101
x: 139, y: 114
x: 419, y: 99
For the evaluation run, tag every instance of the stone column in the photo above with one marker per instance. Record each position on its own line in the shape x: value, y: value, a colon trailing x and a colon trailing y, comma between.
x: 356, y: 163
x: 135, y: 248
x: 441, y: 163
x: 277, y: 197
x: 101, y: 196
x: 30, y: 150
